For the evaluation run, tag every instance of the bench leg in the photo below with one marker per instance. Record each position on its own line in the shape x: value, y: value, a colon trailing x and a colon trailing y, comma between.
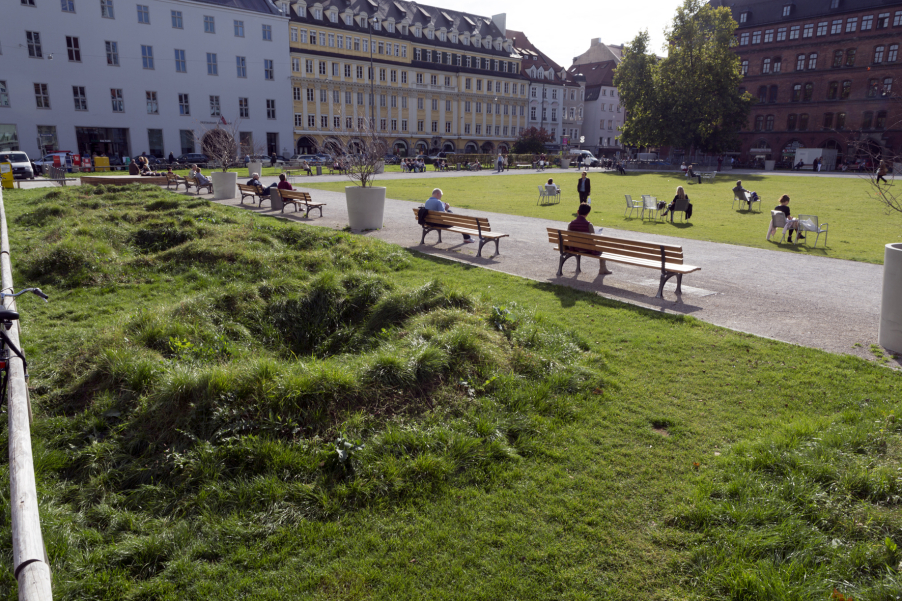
x: 482, y: 243
x: 426, y: 230
x: 497, y: 240
x: 664, y: 278
x: 579, y: 264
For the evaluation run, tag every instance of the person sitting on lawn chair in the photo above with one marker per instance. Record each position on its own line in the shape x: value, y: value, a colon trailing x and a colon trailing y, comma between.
x: 690, y: 174
x: 741, y: 192
x: 792, y: 224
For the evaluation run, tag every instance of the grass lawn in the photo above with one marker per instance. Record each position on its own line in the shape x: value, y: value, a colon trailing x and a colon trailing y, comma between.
x: 859, y: 228
x: 231, y: 406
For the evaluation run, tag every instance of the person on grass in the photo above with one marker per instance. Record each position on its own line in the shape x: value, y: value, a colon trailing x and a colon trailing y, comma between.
x: 881, y: 171
x: 783, y: 207
x: 741, y: 192
x: 680, y: 195
x: 435, y: 204
x: 581, y: 224
x: 584, y: 187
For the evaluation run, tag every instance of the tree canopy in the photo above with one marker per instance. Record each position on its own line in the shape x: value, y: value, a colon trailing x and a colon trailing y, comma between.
x: 691, y: 98
x: 532, y: 140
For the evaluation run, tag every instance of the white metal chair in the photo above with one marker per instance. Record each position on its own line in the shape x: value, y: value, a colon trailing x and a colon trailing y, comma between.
x: 650, y: 204
x: 777, y: 222
x: 632, y: 205
x: 740, y: 200
x: 747, y: 200
x: 809, y: 223
x: 542, y: 194
x: 553, y: 191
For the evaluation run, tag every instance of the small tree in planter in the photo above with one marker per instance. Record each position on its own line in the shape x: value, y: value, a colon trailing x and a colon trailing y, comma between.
x: 221, y: 142
x: 360, y: 153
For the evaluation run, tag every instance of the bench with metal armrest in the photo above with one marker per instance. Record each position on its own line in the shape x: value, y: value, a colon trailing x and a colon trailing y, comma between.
x: 664, y: 257
x: 191, y: 181
x: 300, y: 199
x: 252, y: 191
x: 438, y: 221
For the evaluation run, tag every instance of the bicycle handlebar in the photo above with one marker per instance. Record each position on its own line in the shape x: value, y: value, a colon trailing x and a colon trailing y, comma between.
x: 36, y: 291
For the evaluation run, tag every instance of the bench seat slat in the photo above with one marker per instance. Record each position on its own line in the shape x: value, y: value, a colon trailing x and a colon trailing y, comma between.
x: 675, y: 267
x: 619, y: 241
x: 606, y: 248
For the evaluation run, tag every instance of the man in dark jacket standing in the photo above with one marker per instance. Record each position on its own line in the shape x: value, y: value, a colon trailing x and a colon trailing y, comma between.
x: 171, y: 158
x: 584, y: 187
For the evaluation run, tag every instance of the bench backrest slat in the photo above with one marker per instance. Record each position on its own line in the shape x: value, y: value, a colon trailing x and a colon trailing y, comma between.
x: 294, y: 195
x: 452, y: 220
x: 628, y: 248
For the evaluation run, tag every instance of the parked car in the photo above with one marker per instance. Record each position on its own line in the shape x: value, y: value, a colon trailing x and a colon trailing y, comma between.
x: 193, y: 157
x: 20, y: 163
x: 47, y: 160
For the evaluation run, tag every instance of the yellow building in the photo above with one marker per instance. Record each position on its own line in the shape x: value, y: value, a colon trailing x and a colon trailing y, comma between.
x: 440, y: 79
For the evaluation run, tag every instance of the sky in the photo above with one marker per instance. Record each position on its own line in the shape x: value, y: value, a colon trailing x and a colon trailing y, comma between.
x: 566, y: 34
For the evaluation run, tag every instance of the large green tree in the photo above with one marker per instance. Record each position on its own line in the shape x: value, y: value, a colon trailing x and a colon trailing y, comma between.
x: 691, y: 98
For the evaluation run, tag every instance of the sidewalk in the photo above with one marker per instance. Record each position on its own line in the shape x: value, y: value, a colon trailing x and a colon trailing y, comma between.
x: 822, y: 303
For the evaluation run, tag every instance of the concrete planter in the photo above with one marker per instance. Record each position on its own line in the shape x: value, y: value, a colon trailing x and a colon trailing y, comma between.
x: 275, y: 199
x: 565, y: 163
x: 366, y: 207
x: 254, y: 167
x: 890, y: 335
x: 225, y: 185
x: 380, y: 167
x: 769, y: 165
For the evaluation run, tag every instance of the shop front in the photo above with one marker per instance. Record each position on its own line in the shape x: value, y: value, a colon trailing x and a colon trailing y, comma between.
x: 9, y: 139
x: 109, y: 141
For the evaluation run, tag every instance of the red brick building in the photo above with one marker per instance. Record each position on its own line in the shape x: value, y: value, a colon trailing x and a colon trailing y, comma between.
x: 823, y: 72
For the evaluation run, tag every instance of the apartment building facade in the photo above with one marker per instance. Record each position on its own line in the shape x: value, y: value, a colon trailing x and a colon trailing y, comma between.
x: 428, y: 79
x: 122, y: 78
x: 823, y: 73
x: 604, y: 114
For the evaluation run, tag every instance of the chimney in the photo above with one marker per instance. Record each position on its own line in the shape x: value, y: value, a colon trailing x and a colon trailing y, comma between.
x: 500, y: 22
x: 595, y: 42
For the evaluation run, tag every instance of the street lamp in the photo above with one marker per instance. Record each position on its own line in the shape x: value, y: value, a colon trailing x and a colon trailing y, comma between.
x: 371, y: 22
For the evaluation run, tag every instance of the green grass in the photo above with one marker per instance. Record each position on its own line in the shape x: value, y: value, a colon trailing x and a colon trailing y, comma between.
x: 859, y: 228
x: 229, y: 406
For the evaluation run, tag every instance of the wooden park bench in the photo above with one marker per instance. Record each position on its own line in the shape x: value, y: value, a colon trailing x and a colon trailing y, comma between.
x: 665, y: 257
x: 191, y: 181
x: 174, y: 180
x: 523, y: 166
x: 439, y: 221
x: 252, y: 191
x: 301, y: 199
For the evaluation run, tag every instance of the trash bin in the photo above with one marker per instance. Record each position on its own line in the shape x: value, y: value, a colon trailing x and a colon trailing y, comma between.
x: 319, y: 169
x: 458, y: 166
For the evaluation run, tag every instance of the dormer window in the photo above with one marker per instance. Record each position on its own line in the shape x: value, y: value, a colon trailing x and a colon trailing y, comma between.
x: 429, y: 34
x: 333, y: 16
x: 834, y: 3
x: 465, y: 41
x: 442, y: 36
x: 349, y: 19
x: 417, y: 32
x: 476, y: 42
x: 318, y: 13
x: 453, y: 38
x: 390, y: 27
x: 744, y: 16
x: 787, y: 10
x: 377, y: 25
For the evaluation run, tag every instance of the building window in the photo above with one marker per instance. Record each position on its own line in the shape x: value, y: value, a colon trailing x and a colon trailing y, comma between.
x: 112, y: 53
x: 118, y: 102
x: 851, y: 24
x: 322, y: 67
x: 828, y: 120
x: 794, y: 32
x: 880, y: 123
x: 106, y: 9
x: 887, y: 85
x: 215, y: 110
x: 181, y: 65
x: 184, y: 105
x: 882, y: 21
x: 743, y: 17
x: 781, y: 34
x: 267, y: 33
x: 791, y: 122
x: 850, y: 57
x: 41, y: 96
x: 892, y: 54
x: 822, y: 28
x: 270, y: 108
x: 296, y: 65
x: 212, y: 67
x: 872, y: 88
x: 800, y: 62
x: 836, y: 27
x: 796, y: 92
x: 778, y: 66
x: 209, y: 24
x: 808, y: 31
x: 878, y: 54
x: 808, y: 92
x: 840, y: 120
x: 4, y: 94
x: 803, y: 122
x: 147, y: 56
x: 239, y: 29
x: 765, y: 65
x: 268, y: 69
x: 143, y: 12
x: 241, y: 64
x: 867, y: 22
x: 772, y: 95
x: 78, y: 95
x: 768, y: 35
x: 743, y: 39
x: 34, y: 44
x: 67, y: 5
x: 756, y: 37
x: 153, y: 107
x: 812, y: 60
x: 868, y: 121
x: 787, y: 10
x: 832, y: 90
x: 177, y: 19
x: 73, y: 49
x: 769, y: 123
x: 837, y: 58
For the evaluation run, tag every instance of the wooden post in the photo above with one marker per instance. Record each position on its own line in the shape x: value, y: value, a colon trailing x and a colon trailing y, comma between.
x: 30, y: 565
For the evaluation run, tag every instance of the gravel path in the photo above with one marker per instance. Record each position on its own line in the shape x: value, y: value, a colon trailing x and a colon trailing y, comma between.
x: 817, y: 302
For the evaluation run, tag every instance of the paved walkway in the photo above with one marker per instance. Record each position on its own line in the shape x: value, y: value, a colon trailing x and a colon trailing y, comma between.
x: 823, y: 303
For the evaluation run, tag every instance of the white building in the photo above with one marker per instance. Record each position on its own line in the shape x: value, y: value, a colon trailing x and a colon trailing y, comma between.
x: 604, y: 114
x: 123, y: 77
x: 547, y: 88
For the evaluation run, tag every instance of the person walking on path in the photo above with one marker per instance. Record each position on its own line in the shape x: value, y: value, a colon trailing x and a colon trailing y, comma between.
x: 272, y: 160
x: 435, y: 204
x: 499, y: 163
x: 584, y: 187
x: 881, y: 171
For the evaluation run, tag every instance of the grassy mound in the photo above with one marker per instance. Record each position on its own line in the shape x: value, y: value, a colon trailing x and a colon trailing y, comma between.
x: 278, y: 375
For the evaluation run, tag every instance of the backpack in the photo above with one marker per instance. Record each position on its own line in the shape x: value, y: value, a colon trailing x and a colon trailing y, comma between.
x: 421, y: 215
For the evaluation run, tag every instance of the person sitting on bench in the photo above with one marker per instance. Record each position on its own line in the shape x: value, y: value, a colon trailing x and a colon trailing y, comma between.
x: 200, y: 177
x: 306, y: 167
x: 741, y: 192
x: 255, y: 181
x: 581, y: 224
x: 435, y: 204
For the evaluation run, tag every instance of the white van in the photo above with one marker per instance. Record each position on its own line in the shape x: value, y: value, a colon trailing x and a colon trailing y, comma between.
x: 21, y: 164
x: 588, y: 158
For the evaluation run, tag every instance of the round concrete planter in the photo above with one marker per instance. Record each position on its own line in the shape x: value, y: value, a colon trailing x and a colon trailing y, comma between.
x: 565, y: 163
x: 366, y: 207
x: 769, y: 165
x: 254, y: 167
x: 224, y: 185
x: 890, y: 335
